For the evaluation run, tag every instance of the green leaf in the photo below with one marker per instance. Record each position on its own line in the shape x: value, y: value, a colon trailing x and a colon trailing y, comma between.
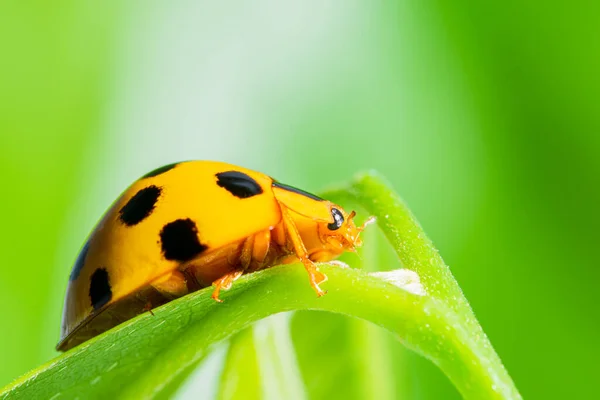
x: 421, y: 305
x: 277, y: 360
x: 261, y: 363
x: 240, y: 378
x: 417, y: 253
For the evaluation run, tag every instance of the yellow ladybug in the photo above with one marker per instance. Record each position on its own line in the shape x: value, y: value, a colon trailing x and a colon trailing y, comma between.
x: 188, y: 225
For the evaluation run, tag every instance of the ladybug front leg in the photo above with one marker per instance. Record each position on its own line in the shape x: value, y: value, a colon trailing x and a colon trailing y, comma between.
x: 315, y: 276
x: 225, y: 283
x: 240, y: 263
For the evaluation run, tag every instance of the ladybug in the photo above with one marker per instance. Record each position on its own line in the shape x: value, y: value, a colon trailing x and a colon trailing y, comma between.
x: 189, y: 225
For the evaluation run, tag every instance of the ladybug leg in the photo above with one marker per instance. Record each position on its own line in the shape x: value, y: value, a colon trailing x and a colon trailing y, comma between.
x: 244, y: 258
x: 148, y: 307
x: 314, y: 275
x: 225, y: 283
x: 260, y: 249
x: 171, y: 285
x: 279, y: 236
x: 246, y: 254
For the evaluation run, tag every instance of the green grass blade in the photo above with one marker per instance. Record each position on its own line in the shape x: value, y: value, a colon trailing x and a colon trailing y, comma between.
x: 140, y: 357
x: 280, y: 376
x: 261, y: 363
x: 417, y: 253
x: 372, y: 345
x: 240, y: 379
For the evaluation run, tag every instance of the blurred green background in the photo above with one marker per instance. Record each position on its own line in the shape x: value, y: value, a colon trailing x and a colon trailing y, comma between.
x: 484, y: 116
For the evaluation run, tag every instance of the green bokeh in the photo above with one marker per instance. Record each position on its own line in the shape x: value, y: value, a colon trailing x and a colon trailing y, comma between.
x: 484, y: 117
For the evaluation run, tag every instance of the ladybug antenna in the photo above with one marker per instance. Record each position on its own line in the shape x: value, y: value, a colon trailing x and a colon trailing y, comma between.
x: 351, y: 215
x: 368, y: 222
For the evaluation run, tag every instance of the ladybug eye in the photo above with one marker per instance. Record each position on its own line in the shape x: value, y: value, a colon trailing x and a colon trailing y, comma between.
x: 338, y: 219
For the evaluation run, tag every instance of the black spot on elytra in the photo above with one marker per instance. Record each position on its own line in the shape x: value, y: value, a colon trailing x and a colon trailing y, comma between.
x: 238, y: 184
x: 295, y: 190
x: 100, y: 291
x: 139, y: 206
x: 160, y: 170
x: 179, y: 240
x: 80, y: 261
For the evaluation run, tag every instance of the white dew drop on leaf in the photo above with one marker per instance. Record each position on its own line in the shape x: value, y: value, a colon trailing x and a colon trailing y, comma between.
x: 403, y: 278
x: 337, y: 263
